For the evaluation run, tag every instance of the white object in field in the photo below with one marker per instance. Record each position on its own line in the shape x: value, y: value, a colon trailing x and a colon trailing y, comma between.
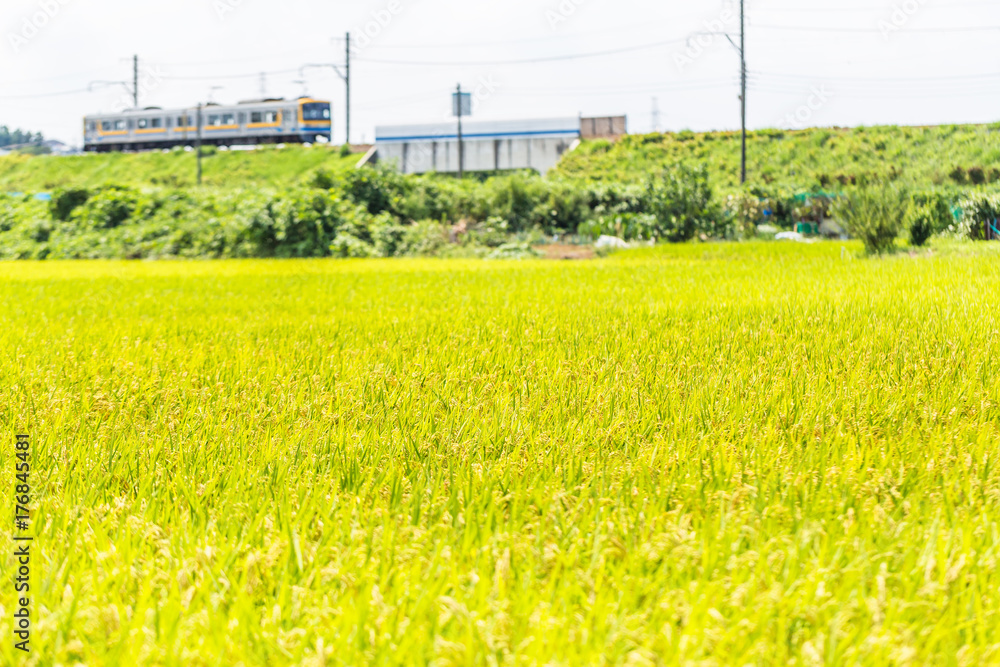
x: 487, y: 145
x: 830, y: 229
x: 789, y: 236
x: 610, y: 242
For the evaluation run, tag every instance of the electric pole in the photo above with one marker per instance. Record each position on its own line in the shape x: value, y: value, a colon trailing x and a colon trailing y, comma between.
x: 198, y: 144
x: 135, y: 82
x: 344, y: 72
x: 742, y: 49
x: 743, y: 92
x: 458, y: 112
x: 347, y: 80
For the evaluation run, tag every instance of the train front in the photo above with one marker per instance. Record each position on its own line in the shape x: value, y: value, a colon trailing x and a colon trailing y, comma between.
x: 315, y: 120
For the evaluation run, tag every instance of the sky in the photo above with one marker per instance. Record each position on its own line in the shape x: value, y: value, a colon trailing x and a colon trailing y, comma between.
x: 667, y: 64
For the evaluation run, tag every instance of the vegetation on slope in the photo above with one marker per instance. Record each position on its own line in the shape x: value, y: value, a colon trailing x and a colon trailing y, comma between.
x: 814, y: 159
x: 267, y: 166
x: 298, y: 201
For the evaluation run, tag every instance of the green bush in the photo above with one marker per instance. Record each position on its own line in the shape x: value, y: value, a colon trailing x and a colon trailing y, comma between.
x: 683, y: 205
x: 514, y: 250
x: 874, y: 213
x: 627, y: 226
x: 746, y: 210
x: 425, y: 238
x: 938, y: 205
x: 66, y: 200
x: 921, y: 222
x: 675, y: 207
x: 346, y: 246
x: 365, y: 212
x: 112, y: 206
x: 516, y: 199
x: 979, y: 211
x: 379, y: 188
x: 322, y: 179
x: 295, y: 223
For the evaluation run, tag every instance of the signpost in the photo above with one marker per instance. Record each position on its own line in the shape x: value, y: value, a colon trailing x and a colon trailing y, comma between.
x: 461, y: 105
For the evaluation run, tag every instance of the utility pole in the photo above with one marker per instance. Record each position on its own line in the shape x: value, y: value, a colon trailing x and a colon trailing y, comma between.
x: 743, y: 92
x: 742, y: 49
x: 135, y: 82
x: 461, y: 152
x: 347, y: 80
x: 344, y: 72
x: 198, y: 144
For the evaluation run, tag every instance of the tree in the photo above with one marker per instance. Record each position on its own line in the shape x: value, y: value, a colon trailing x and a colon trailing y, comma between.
x: 10, y: 137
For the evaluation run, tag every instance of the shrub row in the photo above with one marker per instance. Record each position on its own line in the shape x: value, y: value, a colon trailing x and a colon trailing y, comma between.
x: 379, y: 212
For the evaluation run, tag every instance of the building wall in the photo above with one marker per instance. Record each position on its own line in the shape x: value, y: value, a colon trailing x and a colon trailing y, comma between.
x: 487, y: 146
x: 418, y: 157
x: 607, y: 127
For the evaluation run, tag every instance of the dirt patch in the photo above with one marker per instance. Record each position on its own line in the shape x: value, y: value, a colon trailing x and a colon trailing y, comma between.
x: 566, y: 251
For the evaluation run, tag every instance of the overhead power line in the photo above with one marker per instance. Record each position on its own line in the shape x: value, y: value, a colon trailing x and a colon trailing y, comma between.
x: 526, y: 61
x: 902, y: 31
x: 42, y: 95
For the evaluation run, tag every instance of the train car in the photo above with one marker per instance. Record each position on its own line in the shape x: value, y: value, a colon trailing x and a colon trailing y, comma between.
x: 270, y: 121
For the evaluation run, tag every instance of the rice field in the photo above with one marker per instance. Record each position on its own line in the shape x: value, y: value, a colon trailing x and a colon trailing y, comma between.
x: 744, y: 454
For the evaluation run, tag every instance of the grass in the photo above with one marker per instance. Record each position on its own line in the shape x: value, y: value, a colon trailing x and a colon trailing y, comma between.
x: 703, y: 454
x: 816, y: 158
x: 266, y: 167
x: 921, y: 157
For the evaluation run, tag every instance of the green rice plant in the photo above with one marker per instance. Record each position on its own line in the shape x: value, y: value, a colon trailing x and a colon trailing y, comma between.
x: 716, y: 454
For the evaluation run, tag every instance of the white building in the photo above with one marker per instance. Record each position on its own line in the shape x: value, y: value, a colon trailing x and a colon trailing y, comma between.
x: 487, y: 146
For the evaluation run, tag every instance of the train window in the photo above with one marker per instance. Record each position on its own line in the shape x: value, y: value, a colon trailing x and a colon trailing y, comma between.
x: 243, y: 118
x: 269, y: 117
x: 122, y: 125
x: 182, y: 121
x: 169, y: 121
x: 316, y: 111
x: 156, y: 122
x: 93, y: 126
x: 143, y: 123
x: 228, y: 119
x: 214, y: 119
x: 106, y: 126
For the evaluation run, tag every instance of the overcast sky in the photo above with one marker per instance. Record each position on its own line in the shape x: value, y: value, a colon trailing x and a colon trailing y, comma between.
x: 811, y: 62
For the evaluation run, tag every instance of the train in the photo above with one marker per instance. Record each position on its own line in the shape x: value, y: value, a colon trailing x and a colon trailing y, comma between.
x: 266, y: 121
